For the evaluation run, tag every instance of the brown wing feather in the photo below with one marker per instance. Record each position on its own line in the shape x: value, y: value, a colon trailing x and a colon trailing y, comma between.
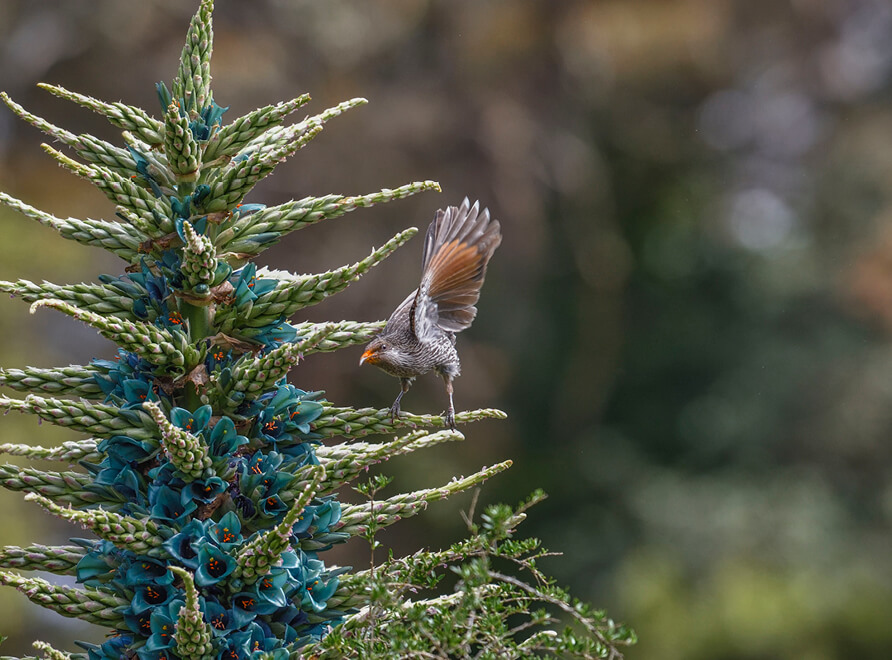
x: 459, y: 244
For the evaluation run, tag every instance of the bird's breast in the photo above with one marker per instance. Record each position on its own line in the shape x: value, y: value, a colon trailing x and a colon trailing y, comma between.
x: 411, y: 358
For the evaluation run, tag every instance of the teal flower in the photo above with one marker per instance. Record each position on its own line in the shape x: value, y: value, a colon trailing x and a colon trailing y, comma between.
x: 169, y: 263
x: 317, y: 519
x: 271, y: 429
x: 317, y: 592
x: 137, y: 392
x: 253, y: 642
x: 164, y: 97
x: 200, y: 225
x: 262, y: 469
x: 300, y: 454
x: 113, y: 649
x: 226, y: 534
x: 261, y: 479
x: 244, y: 609
x: 202, y: 190
x: 218, y: 359
x: 275, y: 654
x: 275, y: 334
x: 142, y: 166
x: 100, y: 565
x: 184, y: 545
x: 247, y: 286
x: 150, y: 294
x: 258, y: 641
x: 111, y: 374
x: 243, y: 210
x: 219, y: 618
x: 145, y: 570
x: 150, y: 596
x: 303, y: 414
x: 235, y: 648
x: 127, y: 449
x: 223, y: 439
x: 272, y: 506
x: 193, y: 422
x: 270, y: 588
x: 286, y: 622
x: 163, y: 624
x: 312, y: 585
x: 204, y: 490
x: 281, y: 413
x: 118, y: 474
x: 141, y: 623
x: 214, y: 565
x: 221, y: 273
x: 167, y: 504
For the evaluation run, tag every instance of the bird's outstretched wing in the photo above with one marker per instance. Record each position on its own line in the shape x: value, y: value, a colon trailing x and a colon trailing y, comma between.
x: 403, y: 316
x: 459, y: 244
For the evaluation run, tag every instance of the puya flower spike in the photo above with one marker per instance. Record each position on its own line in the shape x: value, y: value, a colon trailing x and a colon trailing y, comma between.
x: 161, y: 347
x: 69, y: 488
x: 355, y: 518
x: 110, y: 236
x: 254, y: 374
x: 58, y: 560
x: 193, y: 636
x: 230, y: 139
x: 73, y: 380
x: 87, y: 417
x: 50, y: 653
x: 256, y: 558
x: 180, y: 146
x: 250, y: 234
x: 188, y: 453
x: 70, y: 451
x: 294, y: 292
x: 127, y: 532
x: 98, y: 298
x: 91, y: 149
x: 91, y: 605
x: 193, y: 81
x: 141, y: 202
x: 126, y: 117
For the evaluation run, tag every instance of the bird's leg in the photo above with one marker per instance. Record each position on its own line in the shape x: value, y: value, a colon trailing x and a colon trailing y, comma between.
x: 449, y: 415
x: 395, y: 408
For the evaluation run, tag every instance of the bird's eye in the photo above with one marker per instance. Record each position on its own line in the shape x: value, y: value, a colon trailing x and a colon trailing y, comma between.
x: 383, y: 347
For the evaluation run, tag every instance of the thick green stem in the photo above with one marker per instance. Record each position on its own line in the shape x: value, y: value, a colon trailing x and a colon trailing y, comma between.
x: 185, y: 188
x: 199, y: 319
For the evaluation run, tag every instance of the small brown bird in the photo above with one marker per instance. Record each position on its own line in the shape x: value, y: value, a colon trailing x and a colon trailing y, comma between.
x: 420, y: 334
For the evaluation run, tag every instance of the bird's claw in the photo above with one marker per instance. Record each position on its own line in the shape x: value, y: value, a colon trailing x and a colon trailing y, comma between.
x: 394, y: 412
x: 449, y: 418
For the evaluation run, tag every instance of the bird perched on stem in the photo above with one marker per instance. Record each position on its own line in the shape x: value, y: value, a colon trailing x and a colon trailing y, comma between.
x: 420, y: 334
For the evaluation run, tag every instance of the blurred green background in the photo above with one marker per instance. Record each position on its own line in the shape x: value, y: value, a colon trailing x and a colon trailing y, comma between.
x: 688, y: 320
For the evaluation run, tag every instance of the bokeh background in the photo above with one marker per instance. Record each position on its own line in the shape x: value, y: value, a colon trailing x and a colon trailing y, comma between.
x: 688, y: 320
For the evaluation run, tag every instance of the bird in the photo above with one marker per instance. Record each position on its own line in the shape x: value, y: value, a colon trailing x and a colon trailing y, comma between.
x: 420, y: 334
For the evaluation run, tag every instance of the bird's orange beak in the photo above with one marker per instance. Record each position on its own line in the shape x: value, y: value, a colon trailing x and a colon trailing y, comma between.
x: 369, y: 356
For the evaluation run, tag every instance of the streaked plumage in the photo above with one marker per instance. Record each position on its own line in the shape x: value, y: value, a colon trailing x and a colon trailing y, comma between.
x: 420, y: 334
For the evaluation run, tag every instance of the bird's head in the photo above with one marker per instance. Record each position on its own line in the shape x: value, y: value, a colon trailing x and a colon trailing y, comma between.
x: 379, y: 351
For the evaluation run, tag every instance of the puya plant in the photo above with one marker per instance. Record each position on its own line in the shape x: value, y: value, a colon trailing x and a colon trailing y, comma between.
x: 203, y: 480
